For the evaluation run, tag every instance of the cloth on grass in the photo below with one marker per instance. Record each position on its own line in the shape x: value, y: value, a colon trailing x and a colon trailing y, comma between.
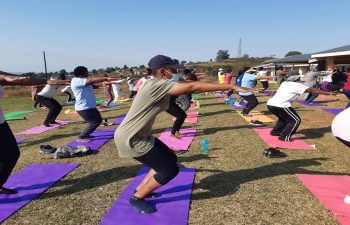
x: 69, y: 152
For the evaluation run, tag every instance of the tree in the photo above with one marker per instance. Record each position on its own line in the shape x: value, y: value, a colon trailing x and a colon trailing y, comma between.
x: 142, y: 66
x: 63, y: 71
x: 222, y: 54
x: 109, y: 70
x: 94, y: 71
x: 245, y: 56
x: 101, y: 70
x: 183, y: 62
x: 292, y: 53
x: 125, y: 67
x: 175, y: 60
x: 211, y: 60
x: 131, y: 71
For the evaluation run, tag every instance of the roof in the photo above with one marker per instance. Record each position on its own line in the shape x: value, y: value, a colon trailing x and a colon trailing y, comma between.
x: 303, y: 58
x: 339, y: 49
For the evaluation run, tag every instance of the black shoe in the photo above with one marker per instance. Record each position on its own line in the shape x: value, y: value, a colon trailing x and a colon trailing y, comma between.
x: 273, y: 153
x: 7, y: 191
x: 54, y: 122
x: 141, y: 205
x: 46, y: 125
x: 275, y: 134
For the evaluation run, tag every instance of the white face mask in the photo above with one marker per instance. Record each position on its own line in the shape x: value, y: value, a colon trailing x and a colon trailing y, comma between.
x: 175, y: 76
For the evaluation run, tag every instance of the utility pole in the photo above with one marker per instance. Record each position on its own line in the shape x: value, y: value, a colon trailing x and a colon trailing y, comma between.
x: 240, y: 49
x: 45, y: 65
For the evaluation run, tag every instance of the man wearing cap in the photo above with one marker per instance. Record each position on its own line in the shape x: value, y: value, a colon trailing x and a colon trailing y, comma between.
x: 133, y: 137
x: 280, y: 105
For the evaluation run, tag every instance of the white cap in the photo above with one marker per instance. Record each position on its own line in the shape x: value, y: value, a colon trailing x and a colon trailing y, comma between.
x: 220, y: 69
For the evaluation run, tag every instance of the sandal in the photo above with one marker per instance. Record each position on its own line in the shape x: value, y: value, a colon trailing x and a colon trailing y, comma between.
x: 273, y: 153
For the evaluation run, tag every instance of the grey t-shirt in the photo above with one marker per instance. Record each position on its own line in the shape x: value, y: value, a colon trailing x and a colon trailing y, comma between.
x: 311, y: 79
x: 133, y: 136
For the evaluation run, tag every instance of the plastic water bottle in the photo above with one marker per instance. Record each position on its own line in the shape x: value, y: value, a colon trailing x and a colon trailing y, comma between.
x: 204, y: 145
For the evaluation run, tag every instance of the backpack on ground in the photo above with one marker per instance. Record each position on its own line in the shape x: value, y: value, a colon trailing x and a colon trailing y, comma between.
x: 69, y: 152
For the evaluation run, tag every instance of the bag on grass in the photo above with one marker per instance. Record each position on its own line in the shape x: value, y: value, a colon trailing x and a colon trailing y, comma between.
x: 69, y: 152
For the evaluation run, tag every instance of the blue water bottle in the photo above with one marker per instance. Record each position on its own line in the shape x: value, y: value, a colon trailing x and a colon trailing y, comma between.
x: 204, y: 145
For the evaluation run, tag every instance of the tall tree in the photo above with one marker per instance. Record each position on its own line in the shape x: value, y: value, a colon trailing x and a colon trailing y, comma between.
x: 94, y: 71
x: 63, y: 71
x: 183, y: 62
x: 125, y: 67
x: 290, y: 53
x: 222, y: 54
x: 175, y: 60
x: 142, y: 66
x: 131, y: 71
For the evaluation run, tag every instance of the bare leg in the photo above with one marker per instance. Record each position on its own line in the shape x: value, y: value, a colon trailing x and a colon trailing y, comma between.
x: 147, y: 188
x: 173, y: 136
x: 178, y: 134
x: 150, y: 174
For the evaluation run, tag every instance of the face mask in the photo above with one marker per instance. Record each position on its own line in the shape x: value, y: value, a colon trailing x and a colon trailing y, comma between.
x: 175, y: 76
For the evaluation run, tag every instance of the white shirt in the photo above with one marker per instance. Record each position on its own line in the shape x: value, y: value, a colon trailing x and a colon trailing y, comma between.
x: 341, y: 125
x: 262, y: 73
x: 67, y: 88
x: 287, y: 93
x: 2, y: 94
x: 49, y: 91
x: 328, y: 78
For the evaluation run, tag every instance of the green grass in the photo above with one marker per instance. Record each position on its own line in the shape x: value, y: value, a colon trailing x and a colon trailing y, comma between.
x: 234, y: 183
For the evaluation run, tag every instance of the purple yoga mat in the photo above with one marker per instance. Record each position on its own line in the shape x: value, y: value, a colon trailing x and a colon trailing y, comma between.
x: 19, y: 140
x: 172, y: 207
x: 100, y: 138
x: 266, y: 92
x: 119, y: 120
x: 30, y: 183
x: 311, y: 104
x: 334, y: 111
x: 42, y: 128
x: 238, y: 106
x: 178, y: 144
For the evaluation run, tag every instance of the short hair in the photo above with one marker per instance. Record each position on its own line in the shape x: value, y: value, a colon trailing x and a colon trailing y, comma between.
x: 245, y: 69
x: 80, y: 70
x: 149, y: 71
x: 240, y: 72
x: 186, y: 71
x: 62, y: 76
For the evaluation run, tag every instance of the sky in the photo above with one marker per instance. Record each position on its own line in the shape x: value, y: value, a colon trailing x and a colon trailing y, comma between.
x: 109, y: 33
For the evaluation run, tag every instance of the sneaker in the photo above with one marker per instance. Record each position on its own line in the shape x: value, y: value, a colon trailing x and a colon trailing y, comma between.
x: 237, y: 104
x: 273, y: 153
x: 47, y: 149
x: 256, y: 123
x: 247, y: 115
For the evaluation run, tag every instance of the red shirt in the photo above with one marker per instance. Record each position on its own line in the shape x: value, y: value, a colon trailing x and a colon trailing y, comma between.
x: 347, y: 84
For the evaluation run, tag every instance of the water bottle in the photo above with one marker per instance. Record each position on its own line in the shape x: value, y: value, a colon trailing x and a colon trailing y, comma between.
x: 204, y: 145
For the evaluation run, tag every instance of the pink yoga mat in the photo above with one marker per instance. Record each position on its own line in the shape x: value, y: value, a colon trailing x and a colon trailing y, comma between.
x: 192, y: 107
x: 325, y: 97
x: 272, y: 141
x: 42, y: 128
x: 192, y: 117
x: 178, y: 144
x: 19, y: 140
x: 173, y: 206
x: 220, y: 95
x: 331, y: 191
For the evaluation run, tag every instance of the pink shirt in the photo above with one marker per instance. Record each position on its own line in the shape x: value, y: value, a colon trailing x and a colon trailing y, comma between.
x: 347, y: 84
x: 137, y: 86
x: 228, y: 78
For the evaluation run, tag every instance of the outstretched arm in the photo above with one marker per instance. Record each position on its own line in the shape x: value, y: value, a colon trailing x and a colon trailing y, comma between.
x: 185, y: 88
x: 95, y: 80
x: 263, y: 77
x: 21, y: 81
x: 317, y: 91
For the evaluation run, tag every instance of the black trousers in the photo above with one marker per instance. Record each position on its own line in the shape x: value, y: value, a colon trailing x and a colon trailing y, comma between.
x: 163, y: 160
x: 36, y: 103
x: 252, y: 102
x: 69, y: 96
x: 287, y: 123
x: 9, y: 152
x: 265, y: 84
x: 93, y: 118
x: 347, y: 143
x: 53, y: 106
x: 132, y: 94
x: 179, y: 114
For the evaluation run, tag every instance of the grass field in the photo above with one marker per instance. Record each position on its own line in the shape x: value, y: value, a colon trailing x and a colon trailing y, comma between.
x: 234, y: 183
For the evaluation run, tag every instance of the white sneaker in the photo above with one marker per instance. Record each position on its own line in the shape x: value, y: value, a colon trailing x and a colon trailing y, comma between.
x: 237, y: 104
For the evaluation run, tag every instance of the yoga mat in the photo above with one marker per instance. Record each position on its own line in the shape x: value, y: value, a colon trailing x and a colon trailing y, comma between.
x: 266, y: 92
x: 172, y: 207
x: 42, y: 128
x: 192, y: 107
x: 178, y: 144
x: 311, y: 104
x: 14, y: 118
x: 331, y: 191
x: 30, y: 183
x: 124, y: 100
x: 100, y: 138
x: 98, y: 101
x: 14, y: 114
x: 192, y: 117
x: 19, y: 140
x: 334, y: 111
x: 195, y: 95
x: 219, y: 94
x: 272, y: 141
x: 68, y: 103
x: 241, y: 106
x: 119, y: 120
x: 256, y: 116
x: 326, y: 97
x: 113, y: 105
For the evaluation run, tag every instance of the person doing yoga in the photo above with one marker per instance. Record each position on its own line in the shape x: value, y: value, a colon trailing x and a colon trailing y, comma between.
x: 9, y: 151
x: 45, y: 97
x: 248, y: 81
x: 133, y: 137
x: 280, y: 105
x: 85, y: 100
